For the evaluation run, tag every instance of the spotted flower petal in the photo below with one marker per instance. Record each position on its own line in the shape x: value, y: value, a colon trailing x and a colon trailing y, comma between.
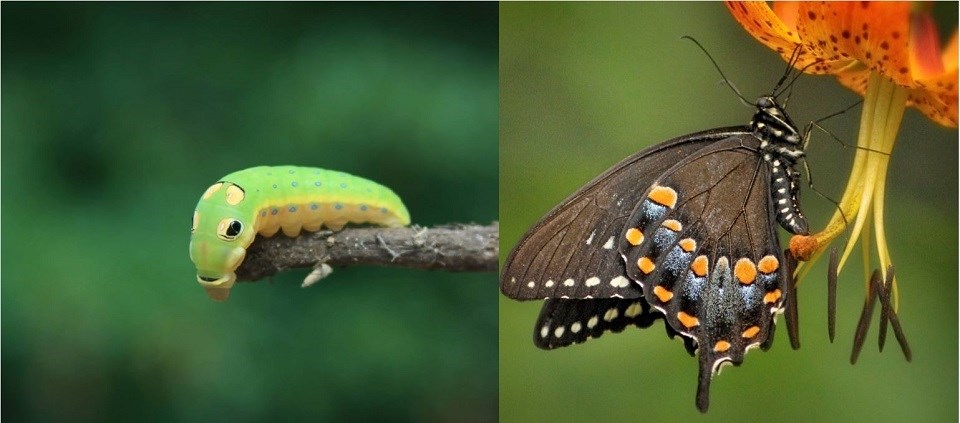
x: 853, y: 39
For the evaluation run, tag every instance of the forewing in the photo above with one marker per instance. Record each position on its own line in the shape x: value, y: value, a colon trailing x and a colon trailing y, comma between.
x: 572, y: 252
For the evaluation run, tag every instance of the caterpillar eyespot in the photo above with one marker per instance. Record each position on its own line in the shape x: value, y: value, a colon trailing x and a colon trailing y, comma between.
x: 268, y: 199
x: 229, y: 229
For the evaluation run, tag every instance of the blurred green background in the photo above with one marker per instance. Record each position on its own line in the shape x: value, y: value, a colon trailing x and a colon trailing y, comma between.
x: 583, y: 86
x: 116, y: 117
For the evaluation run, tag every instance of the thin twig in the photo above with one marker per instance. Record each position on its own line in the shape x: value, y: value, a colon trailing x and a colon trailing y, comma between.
x: 454, y: 248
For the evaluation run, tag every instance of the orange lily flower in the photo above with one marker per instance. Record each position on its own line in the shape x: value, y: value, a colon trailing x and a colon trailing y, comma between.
x: 888, y: 52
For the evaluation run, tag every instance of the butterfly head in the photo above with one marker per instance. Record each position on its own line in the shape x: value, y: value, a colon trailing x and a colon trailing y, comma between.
x: 771, y: 123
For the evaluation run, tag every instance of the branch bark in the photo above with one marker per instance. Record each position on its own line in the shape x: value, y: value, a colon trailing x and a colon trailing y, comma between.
x: 454, y: 248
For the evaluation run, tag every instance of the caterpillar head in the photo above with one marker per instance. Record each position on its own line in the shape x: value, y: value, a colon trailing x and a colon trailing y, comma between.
x: 219, y: 237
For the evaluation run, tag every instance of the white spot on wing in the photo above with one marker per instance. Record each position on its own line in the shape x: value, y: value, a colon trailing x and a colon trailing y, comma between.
x: 634, y: 310
x: 609, y: 244
x: 531, y: 284
x: 544, y: 331
x: 568, y: 282
x: 592, y: 323
x: 590, y: 239
x: 594, y: 281
x: 558, y: 332
x: 549, y: 283
x: 575, y: 327
x: 619, y: 282
x: 611, y: 314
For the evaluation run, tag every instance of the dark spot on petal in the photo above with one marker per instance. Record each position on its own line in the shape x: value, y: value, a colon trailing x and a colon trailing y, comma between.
x: 884, y: 45
x: 811, y: 15
x: 845, y: 34
x: 903, y: 70
x: 833, y: 38
x: 895, y: 35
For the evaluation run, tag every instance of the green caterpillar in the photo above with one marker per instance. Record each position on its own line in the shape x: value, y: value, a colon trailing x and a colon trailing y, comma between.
x: 267, y: 199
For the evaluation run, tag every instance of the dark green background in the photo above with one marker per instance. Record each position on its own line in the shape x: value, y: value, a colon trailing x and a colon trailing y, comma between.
x: 585, y: 85
x: 117, y: 116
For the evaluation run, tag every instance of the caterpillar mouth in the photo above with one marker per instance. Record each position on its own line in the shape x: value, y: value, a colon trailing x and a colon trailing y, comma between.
x: 218, y: 289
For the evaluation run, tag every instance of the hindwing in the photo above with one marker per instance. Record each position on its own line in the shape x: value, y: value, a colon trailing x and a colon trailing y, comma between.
x: 566, y: 322
x: 703, y: 245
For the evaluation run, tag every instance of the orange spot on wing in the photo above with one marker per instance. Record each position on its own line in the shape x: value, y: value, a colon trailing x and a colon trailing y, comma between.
x: 646, y: 265
x: 687, y: 320
x: 745, y: 270
x: 634, y: 236
x: 721, y: 346
x: 772, y: 296
x: 751, y: 332
x: 768, y: 264
x: 688, y: 244
x: 672, y: 225
x: 699, y: 266
x: 665, y: 196
x: 662, y: 293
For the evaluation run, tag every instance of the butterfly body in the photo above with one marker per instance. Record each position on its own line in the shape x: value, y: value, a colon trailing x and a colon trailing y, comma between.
x: 685, y: 231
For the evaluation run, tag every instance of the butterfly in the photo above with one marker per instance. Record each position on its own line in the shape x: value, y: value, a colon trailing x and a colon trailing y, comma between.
x: 686, y: 231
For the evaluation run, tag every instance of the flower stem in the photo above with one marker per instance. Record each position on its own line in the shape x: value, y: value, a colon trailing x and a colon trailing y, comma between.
x: 883, y: 107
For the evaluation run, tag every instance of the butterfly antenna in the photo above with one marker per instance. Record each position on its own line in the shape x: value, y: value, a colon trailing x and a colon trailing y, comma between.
x: 742, y: 100
x: 800, y: 72
x: 791, y: 62
x: 716, y: 66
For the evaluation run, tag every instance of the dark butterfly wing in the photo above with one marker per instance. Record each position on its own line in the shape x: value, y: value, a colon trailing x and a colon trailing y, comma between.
x: 571, y: 252
x: 703, y: 244
x: 566, y: 322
